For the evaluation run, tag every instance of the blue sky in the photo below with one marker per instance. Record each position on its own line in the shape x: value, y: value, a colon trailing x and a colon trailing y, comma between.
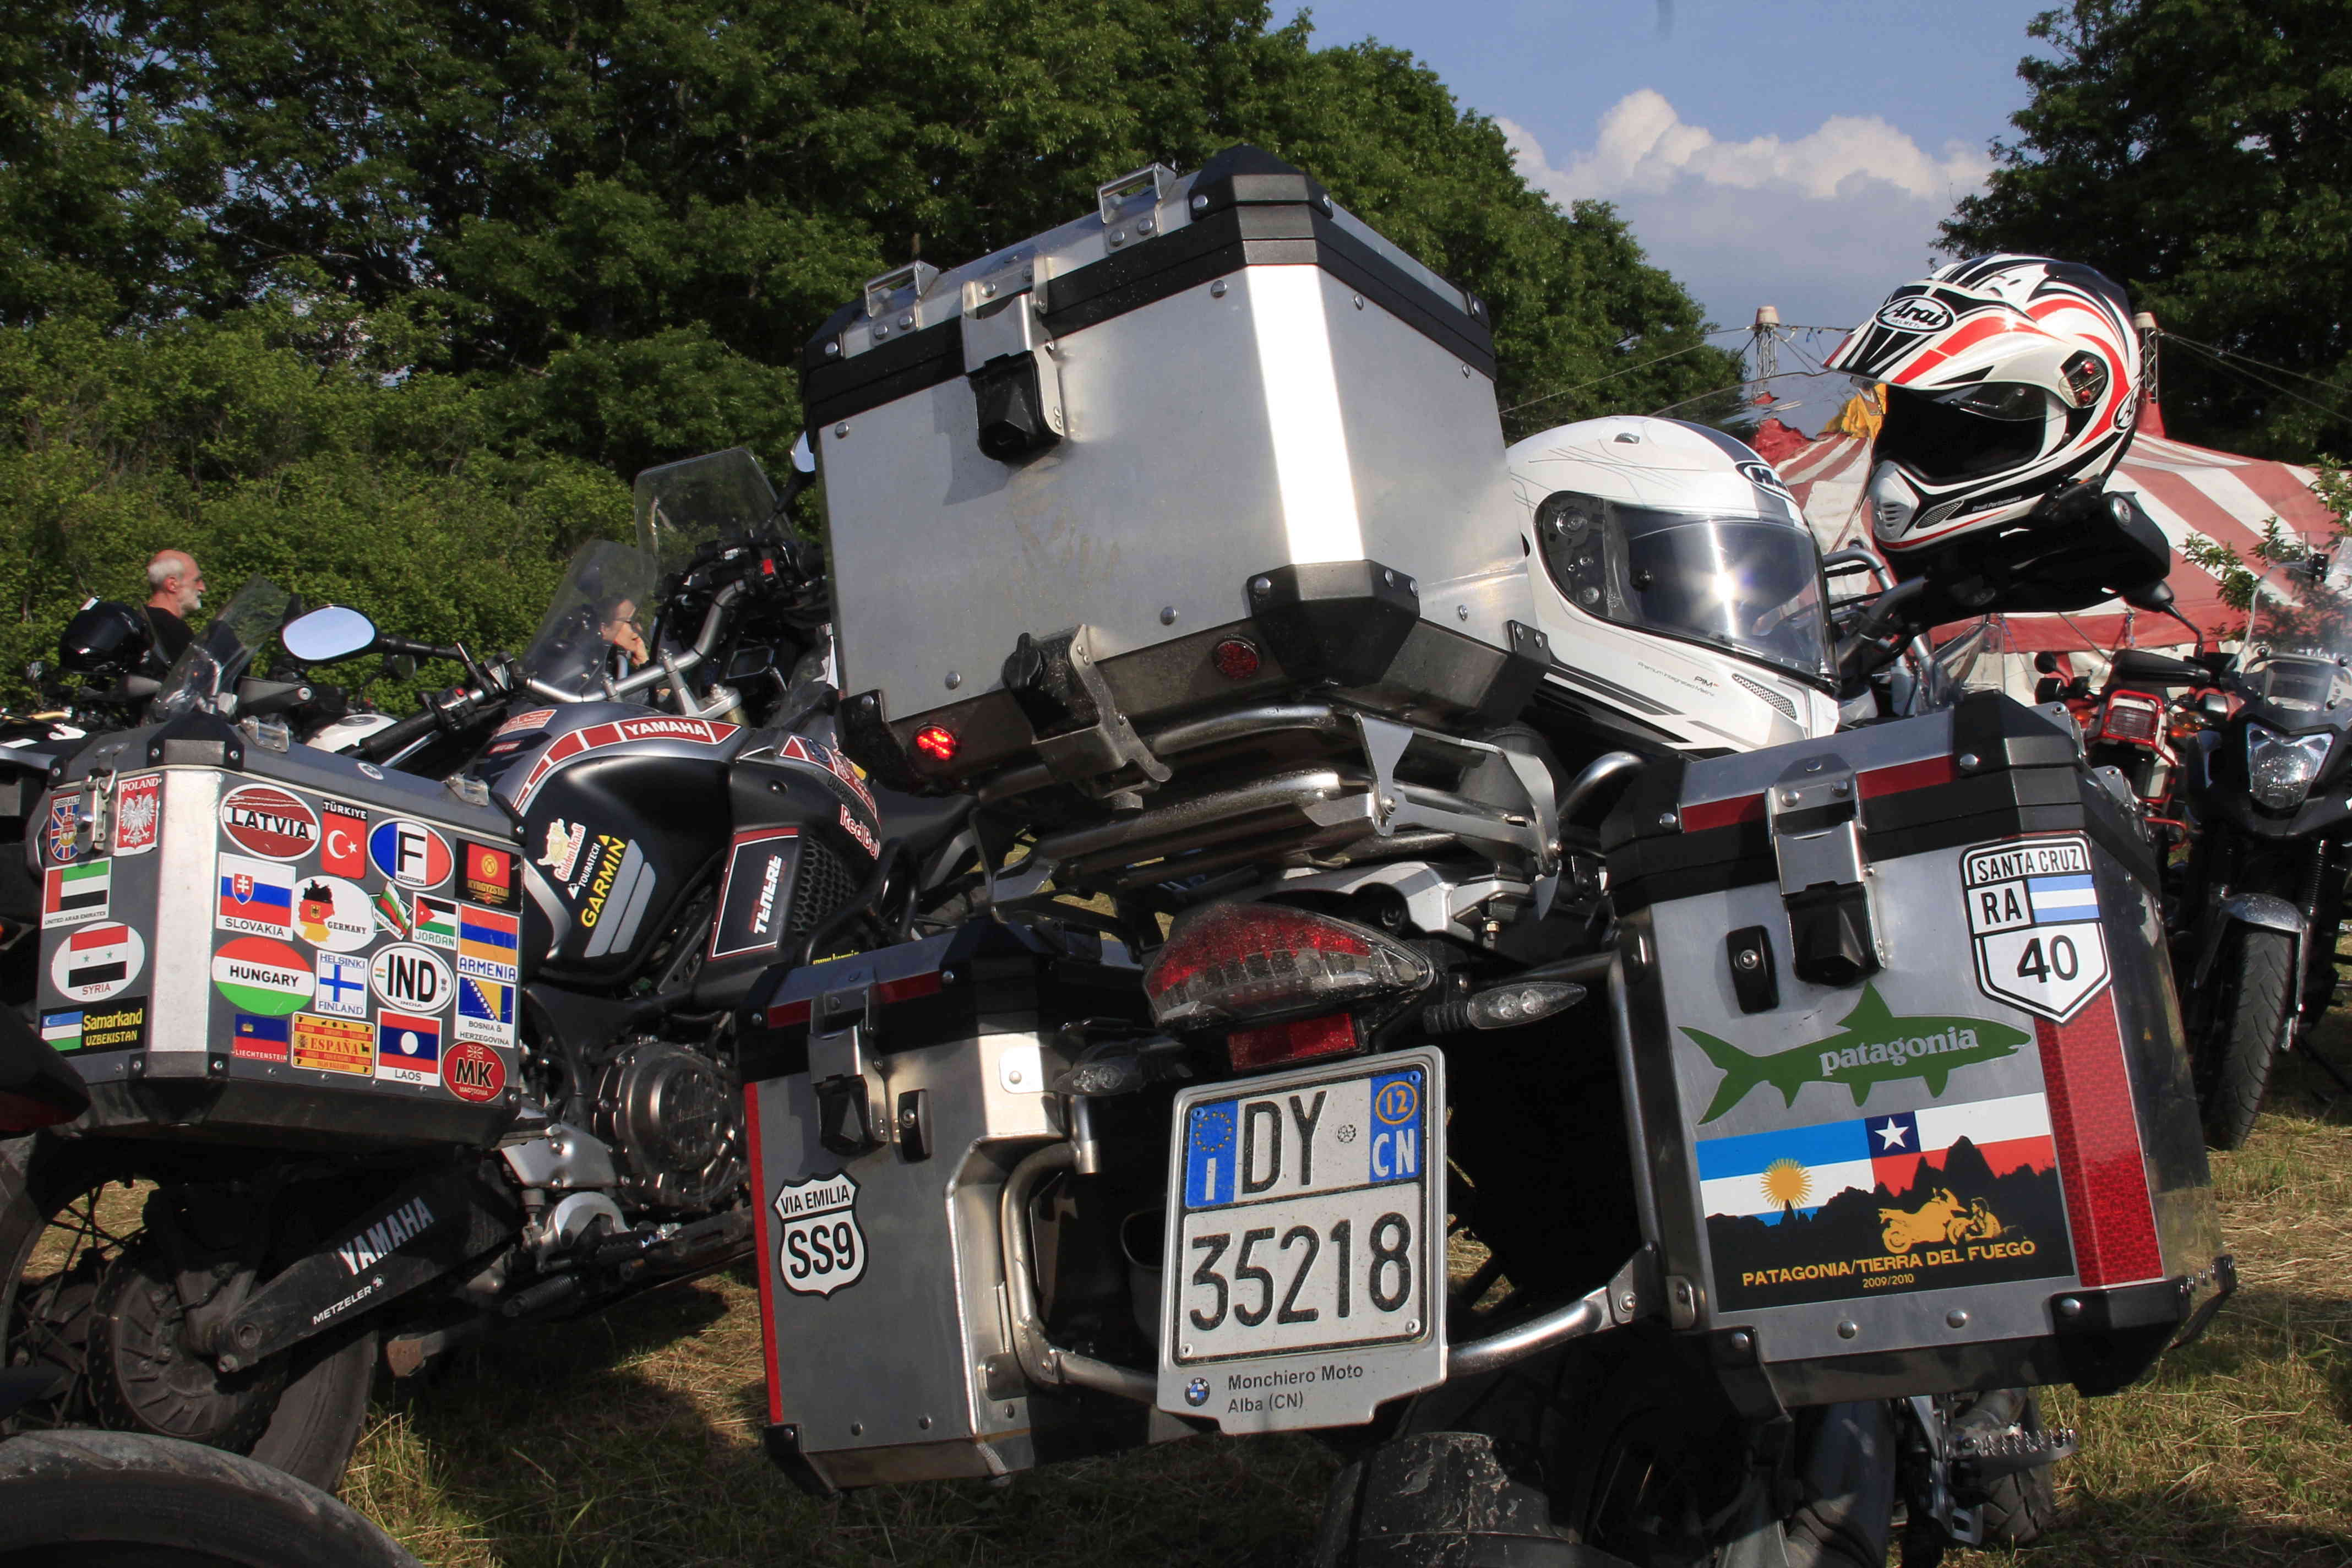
x: 1791, y: 153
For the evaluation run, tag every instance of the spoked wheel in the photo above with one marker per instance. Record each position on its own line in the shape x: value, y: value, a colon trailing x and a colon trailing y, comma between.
x: 90, y: 1289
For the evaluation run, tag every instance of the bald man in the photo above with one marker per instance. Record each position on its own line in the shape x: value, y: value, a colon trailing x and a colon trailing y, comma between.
x: 177, y: 589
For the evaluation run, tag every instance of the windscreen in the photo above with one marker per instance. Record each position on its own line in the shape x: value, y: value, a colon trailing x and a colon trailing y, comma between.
x: 2299, y: 634
x: 213, y: 662
x: 683, y: 506
x: 598, y: 625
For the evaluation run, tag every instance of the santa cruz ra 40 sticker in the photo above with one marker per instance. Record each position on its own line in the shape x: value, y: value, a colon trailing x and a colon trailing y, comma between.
x: 2033, y: 920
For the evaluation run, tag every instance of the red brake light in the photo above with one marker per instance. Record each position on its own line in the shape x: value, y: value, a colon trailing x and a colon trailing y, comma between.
x: 1301, y: 1039
x: 2132, y: 716
x: 1235, y: 658
x: 937, y: 742
x: 1238, y: 964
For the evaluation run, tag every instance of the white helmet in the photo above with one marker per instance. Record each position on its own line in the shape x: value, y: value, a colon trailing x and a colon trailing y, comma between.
x: 1679, y: 585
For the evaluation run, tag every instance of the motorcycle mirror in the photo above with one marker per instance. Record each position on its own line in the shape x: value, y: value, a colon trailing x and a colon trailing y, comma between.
x: 2045, y: 663
x: 400, y: 665
x: 328, y: 633
x: 803, y: 458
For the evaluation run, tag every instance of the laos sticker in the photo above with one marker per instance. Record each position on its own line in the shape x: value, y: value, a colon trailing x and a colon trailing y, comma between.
x: 821, y: 1250
x: 2034, y: 919
x: 1907, y: 1200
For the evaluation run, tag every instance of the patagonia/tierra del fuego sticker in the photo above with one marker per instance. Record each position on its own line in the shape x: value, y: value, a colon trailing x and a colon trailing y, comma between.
x: 2033, y: 921
x: 1902, y: 1201
x: 1873, y: 1045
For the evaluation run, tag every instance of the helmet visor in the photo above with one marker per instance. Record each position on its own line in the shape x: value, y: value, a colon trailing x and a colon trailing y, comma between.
x: 1966, y: 432
x: 1749, y: 586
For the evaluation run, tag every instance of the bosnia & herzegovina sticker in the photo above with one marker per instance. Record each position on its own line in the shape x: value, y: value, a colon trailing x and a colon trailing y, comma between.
x: 1906, y: 1200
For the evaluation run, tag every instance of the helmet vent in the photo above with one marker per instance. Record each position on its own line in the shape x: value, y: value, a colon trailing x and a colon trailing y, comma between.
x: 1778, y: 700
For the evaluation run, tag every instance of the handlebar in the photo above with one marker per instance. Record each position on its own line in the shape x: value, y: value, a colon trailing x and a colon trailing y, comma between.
x: 390, y: 742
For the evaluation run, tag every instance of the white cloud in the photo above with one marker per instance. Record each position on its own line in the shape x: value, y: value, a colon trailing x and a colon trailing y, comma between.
x: 1823, y: 224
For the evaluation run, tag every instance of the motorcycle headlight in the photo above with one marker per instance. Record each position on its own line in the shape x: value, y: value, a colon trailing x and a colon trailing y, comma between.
x: 2280, y: 768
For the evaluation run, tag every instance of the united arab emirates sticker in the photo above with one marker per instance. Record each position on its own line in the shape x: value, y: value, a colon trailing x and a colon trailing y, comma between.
x: 2033, y: 921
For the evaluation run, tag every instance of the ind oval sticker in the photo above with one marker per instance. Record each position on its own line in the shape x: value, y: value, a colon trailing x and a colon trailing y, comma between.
x: 409, y: 976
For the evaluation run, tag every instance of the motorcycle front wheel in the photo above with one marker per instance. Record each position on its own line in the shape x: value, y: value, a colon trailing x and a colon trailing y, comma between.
x: 87, y: 1288
x: 2245, y: 1023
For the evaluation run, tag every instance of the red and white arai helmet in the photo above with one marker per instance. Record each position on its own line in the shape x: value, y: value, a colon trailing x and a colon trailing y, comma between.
x: 2006, y: 377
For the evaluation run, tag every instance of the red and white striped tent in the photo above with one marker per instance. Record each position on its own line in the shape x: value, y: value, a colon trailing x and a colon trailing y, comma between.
x: 2189, y: 490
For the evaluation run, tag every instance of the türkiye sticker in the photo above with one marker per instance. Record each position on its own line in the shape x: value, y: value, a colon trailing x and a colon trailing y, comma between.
x: 820, y: 1249
x: 1873, y: 1045
x: 2034, y: 919
x: 1902, y: 1201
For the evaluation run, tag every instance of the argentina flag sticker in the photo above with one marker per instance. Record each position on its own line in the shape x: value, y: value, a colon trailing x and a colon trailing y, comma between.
x: 2034, y: 919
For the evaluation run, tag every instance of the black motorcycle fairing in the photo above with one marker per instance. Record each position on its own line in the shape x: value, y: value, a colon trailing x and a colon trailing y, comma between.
x: 2326, y: 805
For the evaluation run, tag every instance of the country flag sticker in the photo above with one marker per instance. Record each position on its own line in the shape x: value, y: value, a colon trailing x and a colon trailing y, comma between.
x: 340, y: 990
x: 258, y: 976
x: 410, y: 853
x: 138, y: 813
x: 257, y: 897
x: 392, y: 912
x: 343, y: 842
x: 486, y: 944
x: 473, y: 1072
x: 485, y: 1011
x: 72, y: 895
x: 259, y: 1038
x: 61, y: 1031
x: 407, y: 1048
x: 435, y: 921
x: 97, y: 962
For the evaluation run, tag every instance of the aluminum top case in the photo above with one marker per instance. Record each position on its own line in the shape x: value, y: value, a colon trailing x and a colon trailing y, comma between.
x: 1214, y: 438
x: 1910, y: 1076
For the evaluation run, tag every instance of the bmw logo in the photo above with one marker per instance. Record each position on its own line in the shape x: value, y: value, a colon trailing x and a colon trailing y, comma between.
x: 1196, y: 1392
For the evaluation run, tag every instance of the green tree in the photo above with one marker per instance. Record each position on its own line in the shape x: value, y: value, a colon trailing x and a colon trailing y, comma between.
x: 2199, y: 152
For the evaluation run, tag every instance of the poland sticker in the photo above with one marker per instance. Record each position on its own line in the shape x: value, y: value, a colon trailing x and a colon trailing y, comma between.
x: 2034, y: 919
x: 822, y: 1249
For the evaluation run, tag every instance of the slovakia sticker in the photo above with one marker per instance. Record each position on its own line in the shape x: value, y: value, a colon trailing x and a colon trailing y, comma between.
x: 2034, y: 919
x: 473, y: 1072
x: 265, y: 821
x: 257, y: 897
x: 334, y: 914
x: 74, y: 895
x: 408, y: 976
x: 342, y: 843
x: 98, y: 961
x: 138, y: 813
x: 407, y: 1048
x: 258, y: 976
x: 341, y: 987
x: 822, y: 1249
x: 410, y: 853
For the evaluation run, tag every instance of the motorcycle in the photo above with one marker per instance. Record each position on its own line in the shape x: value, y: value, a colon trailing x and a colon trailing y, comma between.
x: 2259, y: 898
x: 393, y: 1046
x: 1361, y: 1025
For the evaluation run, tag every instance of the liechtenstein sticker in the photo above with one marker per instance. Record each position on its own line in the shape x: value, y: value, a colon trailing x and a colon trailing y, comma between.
x: 2033, y: 920
x: 822, y: 1250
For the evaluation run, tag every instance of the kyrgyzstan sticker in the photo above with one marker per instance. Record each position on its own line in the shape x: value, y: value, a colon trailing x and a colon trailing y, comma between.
x: 410, y: 977
x: 265, y: 821
x: 138, y: 813
x: 409, y: 853
x: 334, y: 914
x: 2034, y: 919
x: 1873, y: 1045
x: 473, y: 1072
x: 490, y: 876
x: 333, y: 1045
x: 75, y: 894
x: 1908, y: 1200
x: 822, y: 1249
x: 260, y: 975
x: 342, y: 985
x: 98, y: 961
x: 407, y: 1048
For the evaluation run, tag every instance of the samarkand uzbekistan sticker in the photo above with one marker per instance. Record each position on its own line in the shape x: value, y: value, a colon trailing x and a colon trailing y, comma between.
x: 1908, y: 1200
x: 2033, y: 920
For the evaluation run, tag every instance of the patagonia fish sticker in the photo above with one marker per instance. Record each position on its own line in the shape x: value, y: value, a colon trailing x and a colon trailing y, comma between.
x: 820, y: 1249
x: 1901, y: 1201
x: 1873, y: 1045
x: 2033, y: 920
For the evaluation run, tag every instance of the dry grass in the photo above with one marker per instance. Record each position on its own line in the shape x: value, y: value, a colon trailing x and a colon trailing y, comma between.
x: 632, y: 1438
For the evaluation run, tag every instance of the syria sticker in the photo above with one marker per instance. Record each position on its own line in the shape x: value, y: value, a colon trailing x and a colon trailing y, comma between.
x: 2034, y: 919
x: 269, y: 822
x: 473, y: 1072
x: 821, y: 1250
x: 138, y: 813
x: 98, y: 961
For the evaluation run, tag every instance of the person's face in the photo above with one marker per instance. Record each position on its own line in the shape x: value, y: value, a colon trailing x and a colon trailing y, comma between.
x: 188, y: 587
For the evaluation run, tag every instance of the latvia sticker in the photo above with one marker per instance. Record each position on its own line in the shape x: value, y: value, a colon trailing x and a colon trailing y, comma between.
x: 269, y: 822
x: 260, y: 975
x: 98, y: 961
x: 473, y: 1072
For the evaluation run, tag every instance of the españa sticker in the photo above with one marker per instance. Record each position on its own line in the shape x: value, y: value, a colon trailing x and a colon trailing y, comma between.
x: 1907, y: 1200
x: 2034, y: 919
x: 1873, y: 1047
x: 333, y: 1045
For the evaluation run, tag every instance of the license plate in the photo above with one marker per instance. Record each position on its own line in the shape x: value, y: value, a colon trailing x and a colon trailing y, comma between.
x: 1305, y: 1275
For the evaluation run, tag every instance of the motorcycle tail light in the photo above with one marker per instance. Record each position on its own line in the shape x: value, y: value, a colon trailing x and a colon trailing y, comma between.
x: 1235, y: 658
x: 936, y: 742
x: 1301, y: 1039
x: 2134, y: 718
x: 1242, y: 966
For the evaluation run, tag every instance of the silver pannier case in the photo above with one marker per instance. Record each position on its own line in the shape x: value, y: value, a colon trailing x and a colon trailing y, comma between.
x: 1244, y: 441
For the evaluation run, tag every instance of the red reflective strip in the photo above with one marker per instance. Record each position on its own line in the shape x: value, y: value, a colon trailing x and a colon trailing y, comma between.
x: 1711, y: 813
x: 2100, y: 1164
x: 767, y: 1260
x: 788, y: 1013
x: 1297, y: 1040
x: 1925, y: 773
x: 905, y: 989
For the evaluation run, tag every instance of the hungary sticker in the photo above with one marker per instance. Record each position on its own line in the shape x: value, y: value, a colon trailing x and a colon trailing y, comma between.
x: 98, y: 961
x: 2033, y: 920
x: 258, y: 976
